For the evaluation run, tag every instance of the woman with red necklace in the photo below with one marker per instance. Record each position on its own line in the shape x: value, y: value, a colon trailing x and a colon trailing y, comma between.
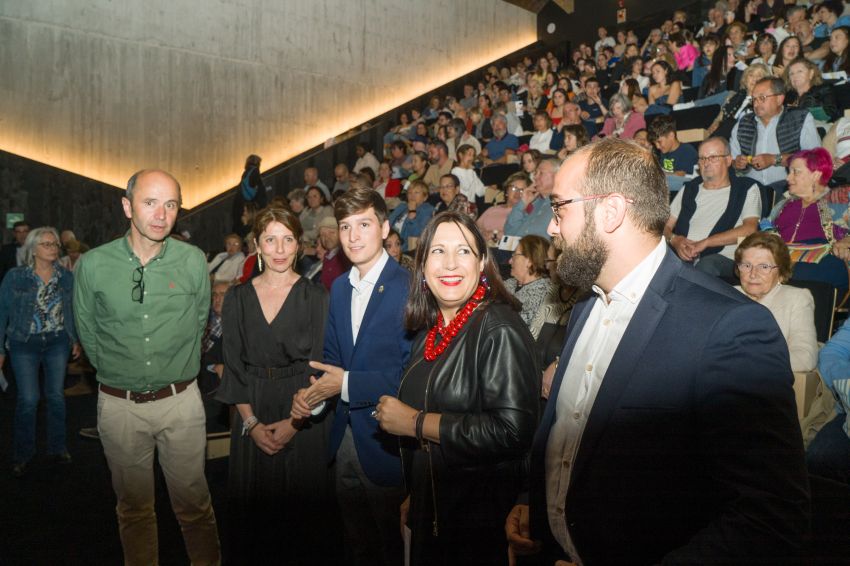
x: 468, y: 403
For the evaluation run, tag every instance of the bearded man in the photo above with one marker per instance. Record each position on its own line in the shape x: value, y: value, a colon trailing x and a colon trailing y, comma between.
x: 670, y: 434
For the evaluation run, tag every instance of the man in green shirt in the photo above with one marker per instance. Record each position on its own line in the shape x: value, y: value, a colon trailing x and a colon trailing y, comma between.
x: 141, y: 303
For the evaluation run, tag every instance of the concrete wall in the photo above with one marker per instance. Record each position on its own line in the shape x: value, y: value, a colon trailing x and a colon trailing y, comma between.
x: 48, y: 196
x: 105, y: 87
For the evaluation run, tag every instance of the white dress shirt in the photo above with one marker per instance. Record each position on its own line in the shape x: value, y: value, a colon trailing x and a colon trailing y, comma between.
x: 361, y: 292
x: 595, y: 347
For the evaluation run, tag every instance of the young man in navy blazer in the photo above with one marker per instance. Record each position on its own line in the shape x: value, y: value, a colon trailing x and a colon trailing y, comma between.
x: 670, y: 435
x: 366, y: 348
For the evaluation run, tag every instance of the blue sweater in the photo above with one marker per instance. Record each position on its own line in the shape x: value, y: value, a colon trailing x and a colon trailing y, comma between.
x: 521, y: 223
x: 412, y: 226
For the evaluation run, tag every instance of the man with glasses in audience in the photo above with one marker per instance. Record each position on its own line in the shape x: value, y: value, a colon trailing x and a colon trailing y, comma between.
x: 763, y: 140
x: 712, y: 211
x: 448, y: 188
x: 141, y: 304
x: 532, y: 214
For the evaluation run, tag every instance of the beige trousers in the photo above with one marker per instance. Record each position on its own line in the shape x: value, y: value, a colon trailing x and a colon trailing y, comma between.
x: 175, y: 427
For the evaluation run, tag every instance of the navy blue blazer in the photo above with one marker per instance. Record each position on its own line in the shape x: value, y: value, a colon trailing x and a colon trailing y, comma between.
x: 692, y: 452
x: 374, y: 364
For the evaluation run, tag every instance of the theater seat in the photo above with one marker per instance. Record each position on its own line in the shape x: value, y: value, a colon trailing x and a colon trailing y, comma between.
x: 805, y: 389
x: 699, y: 117
x: 498, y: 174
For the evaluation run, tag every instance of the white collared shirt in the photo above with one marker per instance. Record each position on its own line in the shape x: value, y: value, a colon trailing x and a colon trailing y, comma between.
x: 361, y: 293
x: 595, y: 347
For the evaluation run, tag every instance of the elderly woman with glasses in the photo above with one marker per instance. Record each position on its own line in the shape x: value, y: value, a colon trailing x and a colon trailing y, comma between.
x: 529, y: 281
x: 409, y: 218
x: 763, y: 265
x: 37, y: 323
x: 492, y: 222
x: 622, y: 121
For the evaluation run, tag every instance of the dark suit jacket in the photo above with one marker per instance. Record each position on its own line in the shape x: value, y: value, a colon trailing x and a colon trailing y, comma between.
x: 692, y: 452
x: 375, y: 366
x: 8, y: 258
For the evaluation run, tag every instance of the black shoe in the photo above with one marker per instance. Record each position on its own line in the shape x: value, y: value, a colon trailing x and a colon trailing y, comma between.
x: 18, y: 470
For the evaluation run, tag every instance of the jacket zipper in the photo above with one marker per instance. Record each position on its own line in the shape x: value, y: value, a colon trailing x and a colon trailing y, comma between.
x: 425, y: 445
x: 400, y: 448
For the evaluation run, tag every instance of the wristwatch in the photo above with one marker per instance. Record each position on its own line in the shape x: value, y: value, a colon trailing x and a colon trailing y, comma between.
x: 778, y: 160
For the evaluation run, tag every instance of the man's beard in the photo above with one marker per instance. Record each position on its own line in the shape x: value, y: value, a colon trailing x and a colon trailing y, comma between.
x: 581, y: 263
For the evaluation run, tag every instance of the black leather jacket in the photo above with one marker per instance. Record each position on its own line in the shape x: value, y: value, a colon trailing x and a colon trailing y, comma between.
x: 486, y: 387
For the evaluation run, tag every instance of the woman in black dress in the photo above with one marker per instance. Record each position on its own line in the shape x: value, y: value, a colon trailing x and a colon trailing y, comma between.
x: 280, y: 485
x: 468, y: 403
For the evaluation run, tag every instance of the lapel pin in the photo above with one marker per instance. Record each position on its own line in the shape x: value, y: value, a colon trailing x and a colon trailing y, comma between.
x: 381, y: 289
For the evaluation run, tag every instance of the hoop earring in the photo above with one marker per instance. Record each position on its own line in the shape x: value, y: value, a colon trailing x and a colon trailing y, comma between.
x: 260, y: 261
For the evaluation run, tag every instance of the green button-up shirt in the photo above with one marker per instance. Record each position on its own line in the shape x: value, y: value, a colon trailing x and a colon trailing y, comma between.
x: 149, y: 345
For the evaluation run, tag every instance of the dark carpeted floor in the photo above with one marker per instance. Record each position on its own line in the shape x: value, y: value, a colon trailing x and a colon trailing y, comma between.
x: 65, y: 514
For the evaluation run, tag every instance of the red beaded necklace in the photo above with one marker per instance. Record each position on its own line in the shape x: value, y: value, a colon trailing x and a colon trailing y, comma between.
x: 449, y: 332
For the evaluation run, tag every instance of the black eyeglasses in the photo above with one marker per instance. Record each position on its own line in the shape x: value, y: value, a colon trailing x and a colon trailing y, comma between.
x: 762, y: 97
x: 712, y: 158
x: 557, y: 204
x: 138, y: 293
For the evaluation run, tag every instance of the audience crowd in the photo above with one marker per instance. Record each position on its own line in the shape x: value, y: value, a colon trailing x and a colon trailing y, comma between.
x: 451, y: 223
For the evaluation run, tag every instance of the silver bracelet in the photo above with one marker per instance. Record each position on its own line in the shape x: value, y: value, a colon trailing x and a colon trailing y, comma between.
x: 249, y: 424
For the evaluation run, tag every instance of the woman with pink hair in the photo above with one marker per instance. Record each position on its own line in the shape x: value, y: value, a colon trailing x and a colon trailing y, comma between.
x: 809, y: 223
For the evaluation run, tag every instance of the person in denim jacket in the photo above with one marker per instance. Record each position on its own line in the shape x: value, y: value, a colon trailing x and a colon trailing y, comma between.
x: 37, y: 328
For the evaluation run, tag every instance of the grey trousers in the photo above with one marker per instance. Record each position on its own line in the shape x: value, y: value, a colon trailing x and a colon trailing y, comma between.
x: 370, y: 513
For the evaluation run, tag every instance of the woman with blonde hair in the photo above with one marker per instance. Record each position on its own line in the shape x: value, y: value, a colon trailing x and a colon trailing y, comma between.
x: 806, y: 90
x: 739, y: 102
x: 37, y: 329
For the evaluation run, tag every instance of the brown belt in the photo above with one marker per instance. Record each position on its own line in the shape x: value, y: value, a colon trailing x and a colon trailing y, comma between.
x: 147, y: 396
